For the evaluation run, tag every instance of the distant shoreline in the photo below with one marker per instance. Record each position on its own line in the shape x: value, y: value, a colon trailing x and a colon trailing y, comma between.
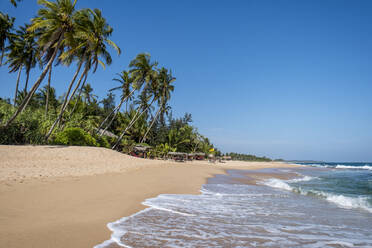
x: 65, y: 196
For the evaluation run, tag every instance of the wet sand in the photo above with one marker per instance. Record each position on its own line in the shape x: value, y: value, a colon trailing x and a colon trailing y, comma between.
x: 65, y: 196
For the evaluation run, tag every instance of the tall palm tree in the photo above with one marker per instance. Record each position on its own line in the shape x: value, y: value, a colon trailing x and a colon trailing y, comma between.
x: 88, y: 95
x: 127, y: 88
x: 15, y: 61
x: 23, y: 53
x: 164, y: 88
x: 143, y: 71
x: 90, y: 44
x: 48, y: 92
x: 55, y: 23
x: 144, y: 75
x: 6, y: 25
x: 144, y: 106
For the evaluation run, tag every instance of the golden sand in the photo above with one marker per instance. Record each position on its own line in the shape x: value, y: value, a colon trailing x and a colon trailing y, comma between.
x: 53, y: 196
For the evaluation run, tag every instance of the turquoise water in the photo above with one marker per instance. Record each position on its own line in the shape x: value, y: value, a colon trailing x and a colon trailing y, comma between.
x: 347, y: 184
x: 318, y: 206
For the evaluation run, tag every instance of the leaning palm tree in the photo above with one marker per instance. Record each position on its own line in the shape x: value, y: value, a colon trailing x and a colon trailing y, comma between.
x: 127, y: 89
x: 23, y: 53
x: 89, y: 42
x: 16, y: 62
x: 56, y: 26
x: 142, y: 73
x: 144, y: 106
x: 6, y: 25
x: 48, y: 92
x: 164, y: 88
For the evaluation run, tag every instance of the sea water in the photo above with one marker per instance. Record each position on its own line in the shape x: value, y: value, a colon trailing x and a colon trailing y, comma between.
x: 320, y: 205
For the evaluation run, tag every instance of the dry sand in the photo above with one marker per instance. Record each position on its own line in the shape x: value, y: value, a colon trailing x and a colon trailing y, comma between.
x: 52, y: 196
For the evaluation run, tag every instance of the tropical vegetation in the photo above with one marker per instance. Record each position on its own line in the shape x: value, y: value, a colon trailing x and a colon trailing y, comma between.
x: 62, y: 35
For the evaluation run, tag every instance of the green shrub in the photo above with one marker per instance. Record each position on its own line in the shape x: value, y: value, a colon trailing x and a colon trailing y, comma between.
x: 27, y: 129
x: 74, y: 136
x: 102, y: 141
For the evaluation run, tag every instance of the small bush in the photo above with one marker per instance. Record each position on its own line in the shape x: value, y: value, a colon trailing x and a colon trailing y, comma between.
x: 74, y: 136
x: 102, y: 141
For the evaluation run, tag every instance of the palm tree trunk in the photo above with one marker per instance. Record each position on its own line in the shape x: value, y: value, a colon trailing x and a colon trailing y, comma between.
x: 28, y: 97
x: 152, y: 123
x: 117, y: 109
x: 81, y: 90
x: 48, y: 90
x: 113, y: 118
x: 66, y: 101
x: 71, y: 84
x: 135, y: 118
x: 16, y: 90
x: 126, y: 129
x: 108, y: 116
x: 2, y: 55
x: 27, y: 77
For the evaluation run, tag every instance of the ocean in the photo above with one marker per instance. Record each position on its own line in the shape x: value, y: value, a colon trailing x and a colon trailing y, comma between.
x: 316, y: 205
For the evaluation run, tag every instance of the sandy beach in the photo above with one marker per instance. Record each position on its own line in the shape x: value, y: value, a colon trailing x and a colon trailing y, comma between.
x: 55, y: 196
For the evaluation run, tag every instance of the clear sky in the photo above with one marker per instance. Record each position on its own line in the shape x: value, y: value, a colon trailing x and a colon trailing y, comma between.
x: 284, y: 79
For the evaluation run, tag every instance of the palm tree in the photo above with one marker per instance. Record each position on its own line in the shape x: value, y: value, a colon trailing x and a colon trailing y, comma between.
x: 126, y: 85
x: 143, y: 71
x: 55, y: 23
x: 23, y: 53
x: 14, y: 2
x: 144, y: 106
x: 16, y: 60
x: 87, y: 94
x: 89, y: 44
x: 164, y: 88
x: 48, y: 92
x: 144, y: 75
x: 6, y: 25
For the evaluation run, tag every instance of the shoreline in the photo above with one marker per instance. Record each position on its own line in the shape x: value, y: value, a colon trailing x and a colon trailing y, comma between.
x: 97, y: 186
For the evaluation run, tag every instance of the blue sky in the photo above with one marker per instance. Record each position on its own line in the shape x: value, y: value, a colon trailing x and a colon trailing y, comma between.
x: 284, y: 79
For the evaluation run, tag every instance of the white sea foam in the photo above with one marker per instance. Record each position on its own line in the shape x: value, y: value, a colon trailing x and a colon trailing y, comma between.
x: 277, y: 183
x: 365, y: 167
x: 302, y: 179
x: 349, y: 202
x: 224, y: 215
x: 340, y: 200
x: 118, y: 232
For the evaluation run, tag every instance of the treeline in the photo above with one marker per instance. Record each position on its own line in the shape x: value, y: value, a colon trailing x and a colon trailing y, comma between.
x: 61, y: 35
x: 247, y: 157
x: 80, y: 128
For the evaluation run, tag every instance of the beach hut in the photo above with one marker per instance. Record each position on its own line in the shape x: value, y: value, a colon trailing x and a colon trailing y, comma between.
x: 199, y: 156
x: 211, y: 158
x: 177, y: 156
x: 140, y: 151
x: 226, y: 158
x: 190, y: 156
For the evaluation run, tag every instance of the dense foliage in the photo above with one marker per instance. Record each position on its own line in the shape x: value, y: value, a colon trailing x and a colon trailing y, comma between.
x: 246, y: 157
x: 61, y: 35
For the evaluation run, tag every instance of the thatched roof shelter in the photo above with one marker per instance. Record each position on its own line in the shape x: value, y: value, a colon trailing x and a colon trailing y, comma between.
x: 141, y: 148
x: 177, y: 153
x: 199, y: 154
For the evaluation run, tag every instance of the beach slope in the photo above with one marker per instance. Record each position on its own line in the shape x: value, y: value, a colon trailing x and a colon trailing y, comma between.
x: 55, y: 196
